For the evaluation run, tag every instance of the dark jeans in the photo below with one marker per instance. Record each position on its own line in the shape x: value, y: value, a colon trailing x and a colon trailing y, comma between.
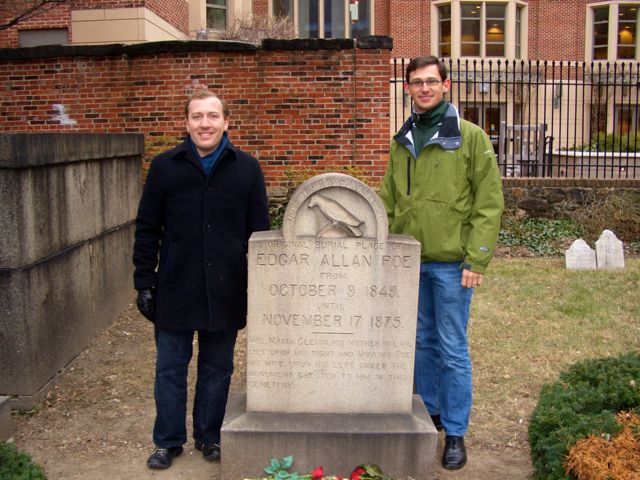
x: 215, y: 367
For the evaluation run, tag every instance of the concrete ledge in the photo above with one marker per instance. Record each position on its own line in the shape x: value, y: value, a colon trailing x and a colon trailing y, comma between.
x: 6, y: 424
x: 53, y: 309
x: 403, y: 446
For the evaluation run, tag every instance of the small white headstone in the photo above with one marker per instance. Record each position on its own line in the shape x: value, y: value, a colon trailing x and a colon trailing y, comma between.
x: 609, y: 251
x: 580, y: 256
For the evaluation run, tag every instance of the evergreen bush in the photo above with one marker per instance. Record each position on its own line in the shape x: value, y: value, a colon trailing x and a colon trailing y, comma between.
x: 584, y: 401
x: 17, y: 465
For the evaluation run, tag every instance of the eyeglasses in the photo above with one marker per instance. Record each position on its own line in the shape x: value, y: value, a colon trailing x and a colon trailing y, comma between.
x: 429, y: 82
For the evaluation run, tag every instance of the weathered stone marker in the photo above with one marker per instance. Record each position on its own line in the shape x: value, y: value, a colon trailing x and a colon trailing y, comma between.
x: 580, y: 256
x: 609, y: 251
x: 331, y: 339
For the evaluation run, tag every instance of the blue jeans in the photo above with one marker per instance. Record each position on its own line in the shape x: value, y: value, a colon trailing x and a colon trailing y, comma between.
x: 215, y: 367
x: 443, y: 364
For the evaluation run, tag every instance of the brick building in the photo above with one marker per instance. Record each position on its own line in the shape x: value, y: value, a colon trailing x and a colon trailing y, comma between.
x: 515, y: 29
x: 498, y: 51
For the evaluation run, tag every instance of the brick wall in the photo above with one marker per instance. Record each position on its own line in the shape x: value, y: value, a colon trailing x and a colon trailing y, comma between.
x: 58, y: 15
x: 176, y: 12
x: 557, y: 29
x: 300, y: 104
x: 410, y: 27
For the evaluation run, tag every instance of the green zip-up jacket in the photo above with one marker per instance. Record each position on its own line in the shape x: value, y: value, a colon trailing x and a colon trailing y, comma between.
x: 449, y: 195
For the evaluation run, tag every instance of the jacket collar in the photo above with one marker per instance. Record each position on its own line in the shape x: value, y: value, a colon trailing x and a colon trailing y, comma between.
x: 184, y: 151
x: 448, y: 135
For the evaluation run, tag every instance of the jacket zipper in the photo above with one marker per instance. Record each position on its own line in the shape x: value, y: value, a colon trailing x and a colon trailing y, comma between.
x: 408, y: 176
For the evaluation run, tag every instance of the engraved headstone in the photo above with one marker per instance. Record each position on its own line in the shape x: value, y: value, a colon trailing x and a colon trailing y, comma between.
x: 580, y: 256
x: 331, y: 327
x: 609, y: 251
x: 332, y: 306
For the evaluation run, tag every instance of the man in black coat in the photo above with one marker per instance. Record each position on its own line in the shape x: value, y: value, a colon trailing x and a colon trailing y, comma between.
x: 201, y: 202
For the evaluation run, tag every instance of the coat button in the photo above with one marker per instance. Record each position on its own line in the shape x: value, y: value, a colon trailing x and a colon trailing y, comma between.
x: 209, y: 263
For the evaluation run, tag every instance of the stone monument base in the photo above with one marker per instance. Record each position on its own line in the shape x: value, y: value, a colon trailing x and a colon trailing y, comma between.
x: 402, y: 445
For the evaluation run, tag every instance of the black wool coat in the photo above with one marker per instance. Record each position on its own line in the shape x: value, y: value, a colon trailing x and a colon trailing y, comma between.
x: 191, y: 238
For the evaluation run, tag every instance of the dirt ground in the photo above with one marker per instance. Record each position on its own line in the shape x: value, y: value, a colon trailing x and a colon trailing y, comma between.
x: 96, y: 422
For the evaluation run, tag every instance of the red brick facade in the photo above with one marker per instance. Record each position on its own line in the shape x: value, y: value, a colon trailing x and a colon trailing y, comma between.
x: 556, y: 27
x: 296, y: 105
x: 55, y: 15
x: 58, y: 15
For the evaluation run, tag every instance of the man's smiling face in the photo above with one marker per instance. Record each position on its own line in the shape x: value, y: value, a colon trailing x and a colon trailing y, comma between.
x: 427, y: 97
x: 206, y: 124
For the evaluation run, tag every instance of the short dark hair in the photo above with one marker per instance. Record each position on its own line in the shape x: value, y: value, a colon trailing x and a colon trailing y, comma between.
x: 425, y: 61
x: 201, y: 94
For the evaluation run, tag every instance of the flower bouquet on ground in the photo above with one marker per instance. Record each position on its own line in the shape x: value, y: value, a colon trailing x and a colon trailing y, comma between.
x: 277, y: 470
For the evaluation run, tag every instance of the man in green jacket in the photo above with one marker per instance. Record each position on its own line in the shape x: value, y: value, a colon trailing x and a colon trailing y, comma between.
x: 442, y: 186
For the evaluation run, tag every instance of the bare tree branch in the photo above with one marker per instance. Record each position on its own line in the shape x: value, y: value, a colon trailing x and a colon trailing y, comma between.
x: 24, y: 14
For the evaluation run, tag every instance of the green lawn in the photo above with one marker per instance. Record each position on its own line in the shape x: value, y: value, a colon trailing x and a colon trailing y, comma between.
x: 530, y: 319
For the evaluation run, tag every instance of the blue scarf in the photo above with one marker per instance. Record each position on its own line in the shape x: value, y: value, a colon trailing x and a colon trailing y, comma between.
x: 208, y: 161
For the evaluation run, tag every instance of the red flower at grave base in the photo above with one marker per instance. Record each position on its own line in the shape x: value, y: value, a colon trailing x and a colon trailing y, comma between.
x: 317, y: 473
x: 357, y: 473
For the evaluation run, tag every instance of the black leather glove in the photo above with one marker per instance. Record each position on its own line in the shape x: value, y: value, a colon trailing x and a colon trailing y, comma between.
x: 146, y: 302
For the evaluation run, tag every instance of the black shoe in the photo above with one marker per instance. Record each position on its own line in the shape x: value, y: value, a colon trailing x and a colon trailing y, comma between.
x: 436, y: 422
x: 455, y: 455
x: 209, y: 452
x: 161, y: 458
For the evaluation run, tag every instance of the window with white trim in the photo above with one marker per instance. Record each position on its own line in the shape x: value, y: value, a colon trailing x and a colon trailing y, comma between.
x: 479, y: 29
x: 327, y: 18
x: 612, y: 31
x: 217, y: 14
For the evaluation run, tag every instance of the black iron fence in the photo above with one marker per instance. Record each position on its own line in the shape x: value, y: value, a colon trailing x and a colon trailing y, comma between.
x: 545, y: 118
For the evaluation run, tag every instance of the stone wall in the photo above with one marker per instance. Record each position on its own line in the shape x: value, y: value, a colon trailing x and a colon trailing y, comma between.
x: 68, y: 204
x: 555, y: 198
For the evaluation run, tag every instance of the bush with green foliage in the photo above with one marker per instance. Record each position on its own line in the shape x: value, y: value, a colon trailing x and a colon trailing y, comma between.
x: 540, y: 235
x: 584, y: 401
x: 613, y: 142
x: 17, y: 465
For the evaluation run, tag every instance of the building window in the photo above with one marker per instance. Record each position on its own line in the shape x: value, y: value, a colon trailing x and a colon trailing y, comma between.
x: 34, y: 38
x: 217, y: 14
x: 614, y: 32
x: 470, y: 27
x: 626, y: 118
x: 479, y: 29
x: 600, y: 32
x: 518, y: 32
x: 444, y: 30
x: 486, y: 116
x: 627, y: 31
x: 327, y: 18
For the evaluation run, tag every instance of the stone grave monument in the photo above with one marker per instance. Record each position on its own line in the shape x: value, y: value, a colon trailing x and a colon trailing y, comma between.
x: 580, y: 256
x: 330, y: 342
x: 609, y: 251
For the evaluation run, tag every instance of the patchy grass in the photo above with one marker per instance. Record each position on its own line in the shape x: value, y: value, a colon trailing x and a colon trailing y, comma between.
x: 529, y: 320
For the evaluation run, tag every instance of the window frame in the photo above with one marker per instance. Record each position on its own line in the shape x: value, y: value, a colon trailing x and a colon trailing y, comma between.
x: 295, y: 15
x: 515, y: 24
x: 613, y: 31
x: 213, y: 6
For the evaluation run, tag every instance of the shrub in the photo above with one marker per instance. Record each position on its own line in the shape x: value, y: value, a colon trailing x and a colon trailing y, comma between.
x: 618, y: 212
x: 613, y: 142
x: 584, y: 401
x: 17, y: 465
x: 608, y: 457
x: 540, y: 235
